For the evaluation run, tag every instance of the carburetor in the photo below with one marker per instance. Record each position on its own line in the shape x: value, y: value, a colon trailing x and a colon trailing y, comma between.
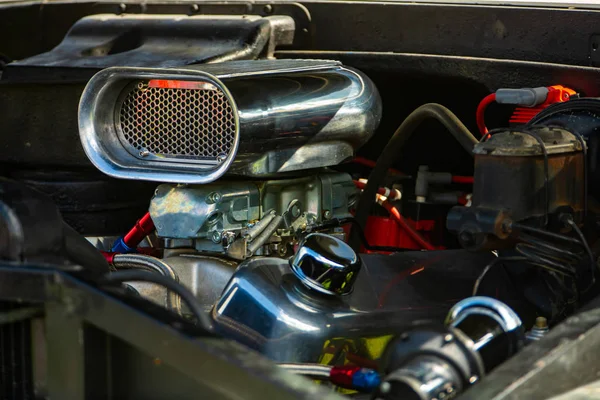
x: 243, y: 218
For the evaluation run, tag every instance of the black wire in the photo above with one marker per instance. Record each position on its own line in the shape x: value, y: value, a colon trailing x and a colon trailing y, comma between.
x: 546, y: 172
x: 547, y: 255
x: 393, y: 147
x: 488, y: 267
x: 539, y: 231
x: 585, y: 171
x: 573, y: 225
x: 170, y: 284
x: 483, y: 274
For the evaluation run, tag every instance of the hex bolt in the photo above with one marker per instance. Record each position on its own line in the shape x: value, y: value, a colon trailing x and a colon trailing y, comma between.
x: 213, y: 197
x: 541, y: 323
x: 216, y: 237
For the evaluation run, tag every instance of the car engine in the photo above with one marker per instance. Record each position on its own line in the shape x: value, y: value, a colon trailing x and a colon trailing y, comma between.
x: 203, y: 187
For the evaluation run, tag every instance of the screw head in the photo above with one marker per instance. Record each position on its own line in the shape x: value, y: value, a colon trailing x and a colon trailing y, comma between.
x: 295, y: 211
x: 385, y: 387
x: 216, y: 237
x: 268, y: 8
x: 195, y: 8
x: 448, y: 338
x: 122, y: 7
x: 144, y: 153
x: 473, y: 379
x: 214, y: 197
x: 327, y: 214
x: 221, y: 158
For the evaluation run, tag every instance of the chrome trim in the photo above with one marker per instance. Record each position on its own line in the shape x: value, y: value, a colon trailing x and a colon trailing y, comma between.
x: 309, y: 370
x: 508, y: 319
x: 290, y: 115
x: 326, y: 264
x: 101, y: 142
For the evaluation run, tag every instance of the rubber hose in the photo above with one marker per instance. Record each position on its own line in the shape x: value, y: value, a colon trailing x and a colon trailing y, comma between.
x: 152, y: 264
x: 393, y: 148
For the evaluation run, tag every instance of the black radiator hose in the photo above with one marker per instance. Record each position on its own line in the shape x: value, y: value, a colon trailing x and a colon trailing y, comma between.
x: 395, y: 144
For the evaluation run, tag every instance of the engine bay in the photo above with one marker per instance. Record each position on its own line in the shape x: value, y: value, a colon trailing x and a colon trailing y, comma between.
x: 222, y: 185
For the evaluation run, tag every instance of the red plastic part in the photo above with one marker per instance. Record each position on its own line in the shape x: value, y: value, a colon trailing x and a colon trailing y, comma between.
x: 371, y: 164
x: 143, y: 227
x: 480, y: 114
x: 556, y: 94
x: 109, y: 256
x: 384, y: 231
x: 410, y: 231
x: 462, y: 179
x: 342, y: 375
x: 174, y: 84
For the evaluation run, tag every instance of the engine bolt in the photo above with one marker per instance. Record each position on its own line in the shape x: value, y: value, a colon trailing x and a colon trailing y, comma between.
x: 216, y: 237
x: 541, y: 322
x: 213, y: 198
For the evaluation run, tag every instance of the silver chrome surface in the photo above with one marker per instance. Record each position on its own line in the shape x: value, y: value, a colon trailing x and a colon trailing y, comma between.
x: 153, y: 264
x: 508, y: 319
x: 289, y: 115
x: 264, y: 306
x: 205, y: 276
x: 101, y: 143
x: 312, y: 371
x: 326, y: 264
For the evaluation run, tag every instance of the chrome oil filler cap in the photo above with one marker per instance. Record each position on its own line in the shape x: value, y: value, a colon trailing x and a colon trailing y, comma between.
x: 326, y: 264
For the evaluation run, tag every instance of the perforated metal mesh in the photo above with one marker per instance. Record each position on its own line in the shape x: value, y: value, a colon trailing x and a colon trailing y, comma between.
x: 195, y: 123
